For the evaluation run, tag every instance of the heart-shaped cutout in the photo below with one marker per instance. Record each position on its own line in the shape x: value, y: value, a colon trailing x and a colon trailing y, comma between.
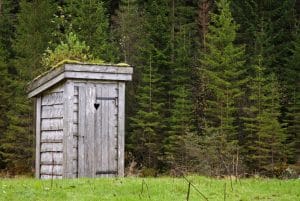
x: 96, y: 105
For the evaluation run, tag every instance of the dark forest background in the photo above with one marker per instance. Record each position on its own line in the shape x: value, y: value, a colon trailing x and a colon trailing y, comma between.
x: 216, y: 88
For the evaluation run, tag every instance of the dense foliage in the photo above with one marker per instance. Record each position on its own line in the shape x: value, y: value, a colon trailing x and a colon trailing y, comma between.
x: 215, y: 88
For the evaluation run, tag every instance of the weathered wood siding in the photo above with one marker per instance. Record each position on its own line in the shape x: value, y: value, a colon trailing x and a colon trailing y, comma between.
x: 106, y: 130
x: 51, y: 134
x: 75, y: 131
x: 97, y: 129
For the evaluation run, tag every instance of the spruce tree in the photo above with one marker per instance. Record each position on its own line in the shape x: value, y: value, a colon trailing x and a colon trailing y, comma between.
x: 90, y: 22
x: 4, y: 100
x: 293, y: 114
x: 146, y: 138
x: 147, y: 124
x: 264, y: 147
x: 7, y: 15
x: 33, y: 32
x: 180, y: 116
x: 223, y: 68
x: 128, y: 30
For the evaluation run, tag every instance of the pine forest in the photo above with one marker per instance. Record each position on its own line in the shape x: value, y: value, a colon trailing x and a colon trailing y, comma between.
x: 216, y: 83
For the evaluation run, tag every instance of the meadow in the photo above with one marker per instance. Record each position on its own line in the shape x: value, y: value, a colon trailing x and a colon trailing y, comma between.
x: 160, y: 189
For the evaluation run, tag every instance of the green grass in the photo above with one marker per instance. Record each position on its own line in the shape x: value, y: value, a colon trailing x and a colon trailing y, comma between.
x: 162, y: 189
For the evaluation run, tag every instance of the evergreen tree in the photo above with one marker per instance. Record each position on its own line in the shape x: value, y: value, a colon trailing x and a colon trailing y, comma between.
x: 264, y: 146
x: 33, y: 32
x: 90, y: 22
x: 146, y: 138
x: 7, y: 10
x: 223, y: 67
x: 279, y: 22
x: 147, y: 133
x: 128, y: 29
x: 293, y: 114
x: 4, y: 99
x: 180, y: 117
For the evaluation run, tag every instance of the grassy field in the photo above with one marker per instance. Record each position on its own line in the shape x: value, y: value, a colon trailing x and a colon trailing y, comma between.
x: 162, y: 189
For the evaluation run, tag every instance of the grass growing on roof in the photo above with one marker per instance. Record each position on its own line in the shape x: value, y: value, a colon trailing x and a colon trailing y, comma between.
x: 72, y: 51
x: 160, y: 189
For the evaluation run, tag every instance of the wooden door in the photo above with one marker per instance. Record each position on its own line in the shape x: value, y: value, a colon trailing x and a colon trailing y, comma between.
x: 98, y: 130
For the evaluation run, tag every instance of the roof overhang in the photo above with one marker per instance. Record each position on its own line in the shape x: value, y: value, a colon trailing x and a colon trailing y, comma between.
x: 78, y: 71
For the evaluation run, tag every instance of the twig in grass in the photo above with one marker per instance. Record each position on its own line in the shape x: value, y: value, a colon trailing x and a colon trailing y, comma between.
x: 225, y: 191
x: 188, y: 192
x: 231, y: 183
x: 195, y: 188
x: 52, y: 171
x: 142, y: 190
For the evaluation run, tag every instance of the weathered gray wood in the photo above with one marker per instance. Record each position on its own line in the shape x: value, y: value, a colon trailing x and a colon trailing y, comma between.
x: 76, y: 106
x: 52, y: 124
x: 75, y: 129
x: 68, y: 130
x: 58, y: 88
x: 37, y: 82
x: 75, y: 167
x: 51, y: 162
x: 78, y: 71
x: 112, y: 141
x: 75, y: 121
x: 98, y: 68
x: 53, y: 99
x: 51, y: 169
x: 52, y: 136
x: 54, y: 111
x: 105, y: 129
x: 52, y: 157
x: 99, y: 76
x: 51, y: 147
x: 51, y: 176
x: 98, y: 131
x: 90, y: 130
x: 73, y: 133
x: 38, y: 136
x: 121, y: 129
x: 46, y: 85
x: 81, y: 132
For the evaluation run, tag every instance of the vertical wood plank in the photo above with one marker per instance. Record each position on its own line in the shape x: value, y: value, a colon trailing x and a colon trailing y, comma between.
x: 67, y: 128
x: 81, y: 134
x: 105, y: 129
x: 38, y: 136
x: 90, y: 130
x: 121, y: 128
x: 98, y: 133
x: 112, y: 154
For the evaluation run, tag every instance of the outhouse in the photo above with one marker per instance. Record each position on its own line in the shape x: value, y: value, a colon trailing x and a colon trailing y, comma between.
x: 79, y: 120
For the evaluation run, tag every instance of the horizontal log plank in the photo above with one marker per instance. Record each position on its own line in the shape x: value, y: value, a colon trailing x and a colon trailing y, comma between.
x: 97, y: 76
x: 52, y: 135
x: 51, y: 176
x: 52, y: 124
x: 54, y: 111
x: 52, y: 99
x: 52, y: 157
x: 51, y: 147
x: 98, y: 68
x: 52, y: 169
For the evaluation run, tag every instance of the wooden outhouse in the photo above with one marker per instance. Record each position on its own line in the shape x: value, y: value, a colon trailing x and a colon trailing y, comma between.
x: 79, y: 120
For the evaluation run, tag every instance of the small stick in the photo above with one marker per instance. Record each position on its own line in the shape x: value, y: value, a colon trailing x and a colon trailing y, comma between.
x: 225, y: 191
x: 188, y: 192
x: 142, y: 190
x: 195, y: 188
x: 231, y: 183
